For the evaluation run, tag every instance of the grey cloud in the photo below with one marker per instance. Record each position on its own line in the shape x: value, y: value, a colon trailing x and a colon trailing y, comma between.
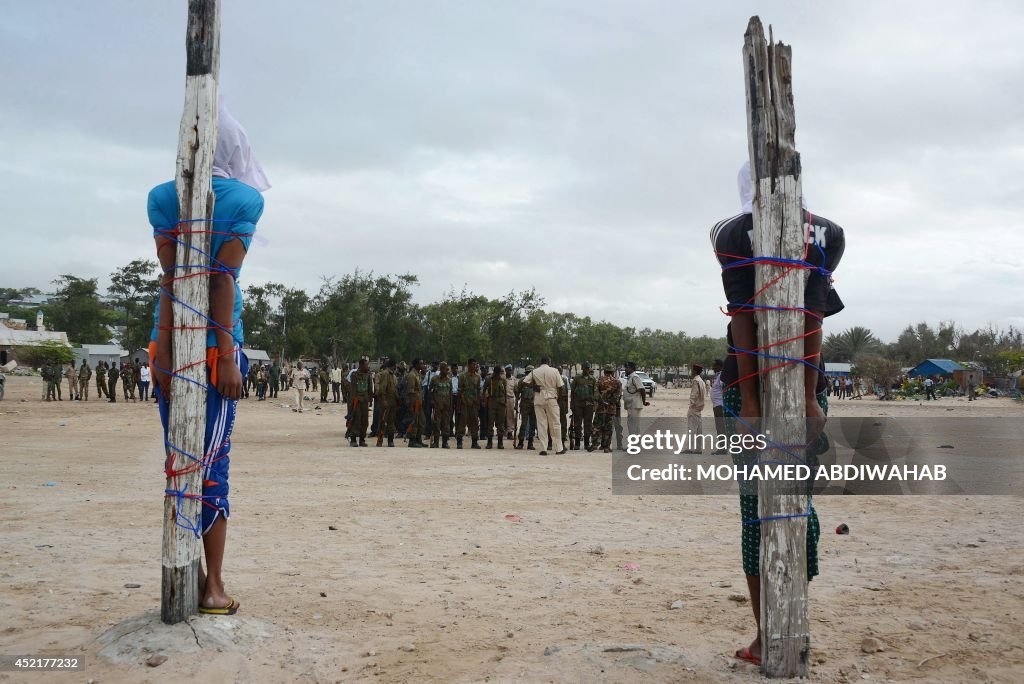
x: 535, y: 144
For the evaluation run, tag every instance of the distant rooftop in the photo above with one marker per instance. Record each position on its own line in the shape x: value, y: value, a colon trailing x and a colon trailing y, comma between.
x: 9, y: 337
x: 33, y: 300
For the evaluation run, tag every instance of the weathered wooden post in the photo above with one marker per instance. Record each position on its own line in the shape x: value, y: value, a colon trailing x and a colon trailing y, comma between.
x: 197, y: 142
x: 775, y: 164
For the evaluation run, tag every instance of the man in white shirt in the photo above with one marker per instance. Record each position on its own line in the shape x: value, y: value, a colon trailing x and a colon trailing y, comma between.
x: 929, y: 389
x: 336, y: 378
x: 545, y: 402
x: 427, y: 410
x: 698, y: 396
x: 298, y: 379
x: 635, y: 396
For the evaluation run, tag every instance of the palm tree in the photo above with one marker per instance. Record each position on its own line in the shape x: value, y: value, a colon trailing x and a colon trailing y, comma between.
x: 849, y: 344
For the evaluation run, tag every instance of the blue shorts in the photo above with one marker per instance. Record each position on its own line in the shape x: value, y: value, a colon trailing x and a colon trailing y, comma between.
x: 220, y: 421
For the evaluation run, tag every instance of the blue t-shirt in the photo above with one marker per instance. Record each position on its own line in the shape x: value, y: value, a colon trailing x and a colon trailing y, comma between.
x: 236, y: 211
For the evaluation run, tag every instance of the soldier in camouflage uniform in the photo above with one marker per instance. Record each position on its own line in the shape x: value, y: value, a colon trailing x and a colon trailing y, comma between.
x: 527, y: 417
x: 609, y: 394
x: 112, y: 375
x: 127, y: 382
x: 84, y: 376
x: 495, y: 390
x: 414, y: 404
x: 275, y: 379
x: 584, y: 399
x: 441, y: 405
x: 325, y: 383
x: 467, y: 405
x: 362, y: 396
x: 50, y: 388
x: 387, y: 400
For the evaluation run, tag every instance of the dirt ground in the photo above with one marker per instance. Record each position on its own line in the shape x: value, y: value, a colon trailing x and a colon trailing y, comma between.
x: 425, y: 579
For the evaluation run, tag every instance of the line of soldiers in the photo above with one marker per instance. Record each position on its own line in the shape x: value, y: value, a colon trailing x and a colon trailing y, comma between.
x: 437, y: 403
x: 134, y: 378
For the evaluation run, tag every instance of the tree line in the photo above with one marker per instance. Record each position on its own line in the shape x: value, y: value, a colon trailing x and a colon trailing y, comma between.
x: 366, y: 313
x: 374, y: 314
x: 1000, y: 352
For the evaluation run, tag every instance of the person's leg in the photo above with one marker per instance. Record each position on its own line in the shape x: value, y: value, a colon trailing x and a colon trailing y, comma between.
x: 540, y: 407
x: 214, y: 542
x: 474, y: 426
x: 364, y: 421
x: 554, y: 423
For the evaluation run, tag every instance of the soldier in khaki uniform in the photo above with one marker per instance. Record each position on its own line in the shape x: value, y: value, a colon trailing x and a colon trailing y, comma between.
x: 510, y: 403
x: 441, y: 405
x: 527, y: 416
x: 101, y: 380
x: 362, y: 396
x: 547, y: 381
x: 494, y: 394
x: 414, y: 403
x: 84, y: 376
x: 584, y: 399
x: 467, y: 405
x: 387, y: 400
x: 72, y: 377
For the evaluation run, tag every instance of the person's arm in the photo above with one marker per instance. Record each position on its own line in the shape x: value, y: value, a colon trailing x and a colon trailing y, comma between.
x: 222, y: 305
x: 162, y: 367
x: 744, y: 337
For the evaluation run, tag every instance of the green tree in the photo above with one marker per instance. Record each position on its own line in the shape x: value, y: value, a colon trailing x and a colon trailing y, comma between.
x: 878, y: 369
x: 48, y: 351
x: 76, y: 310
x: 134, y: 289
x: 262, y: 321
x: 456, y: 328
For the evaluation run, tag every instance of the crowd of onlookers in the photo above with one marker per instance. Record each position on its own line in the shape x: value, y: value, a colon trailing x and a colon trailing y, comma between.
x: 843, y: 388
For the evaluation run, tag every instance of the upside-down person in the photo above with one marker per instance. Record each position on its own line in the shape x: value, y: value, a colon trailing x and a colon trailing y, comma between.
x: 238, y: 181
x: 741, y: 398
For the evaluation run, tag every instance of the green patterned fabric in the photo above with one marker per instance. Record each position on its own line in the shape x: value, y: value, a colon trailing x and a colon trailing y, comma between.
x: 751, y: 534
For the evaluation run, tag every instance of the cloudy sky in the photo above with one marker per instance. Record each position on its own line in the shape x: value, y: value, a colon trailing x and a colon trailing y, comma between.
x: 583, y: 148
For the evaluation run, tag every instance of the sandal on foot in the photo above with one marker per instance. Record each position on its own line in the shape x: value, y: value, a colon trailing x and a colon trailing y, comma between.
x: 746, y: 655
x: 229, y: 609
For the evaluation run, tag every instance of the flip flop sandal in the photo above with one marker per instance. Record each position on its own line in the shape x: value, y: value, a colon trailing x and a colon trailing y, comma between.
x: 229, y: 609
x: 745, y: 655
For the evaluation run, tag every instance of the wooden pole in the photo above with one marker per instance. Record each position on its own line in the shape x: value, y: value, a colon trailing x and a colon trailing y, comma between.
x: 197, y: 142
x: 775, y: 165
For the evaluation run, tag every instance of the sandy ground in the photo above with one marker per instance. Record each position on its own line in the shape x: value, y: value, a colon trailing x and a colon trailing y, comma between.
x: 425, y: 579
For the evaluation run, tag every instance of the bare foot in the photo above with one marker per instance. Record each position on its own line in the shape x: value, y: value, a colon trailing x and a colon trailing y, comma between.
x: 215, y: 598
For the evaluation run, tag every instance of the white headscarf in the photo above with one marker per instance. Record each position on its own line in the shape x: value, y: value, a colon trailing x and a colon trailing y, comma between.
x: 745, y: 183
x: 235, y: 157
